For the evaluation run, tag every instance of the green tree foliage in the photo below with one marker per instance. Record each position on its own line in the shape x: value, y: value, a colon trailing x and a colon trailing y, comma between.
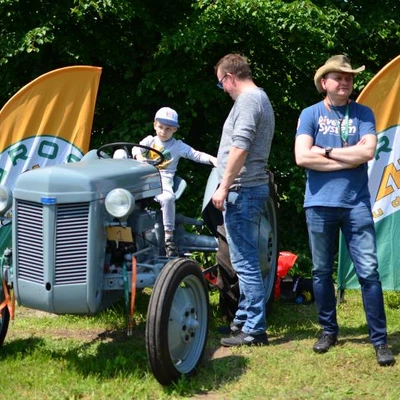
x: 156, y: 53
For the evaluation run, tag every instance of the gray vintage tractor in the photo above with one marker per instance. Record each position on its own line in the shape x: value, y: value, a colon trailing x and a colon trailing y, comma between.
x: 87, y: 234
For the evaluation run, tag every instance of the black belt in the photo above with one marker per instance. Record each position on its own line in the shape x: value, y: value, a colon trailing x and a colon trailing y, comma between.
x: 234, y: 189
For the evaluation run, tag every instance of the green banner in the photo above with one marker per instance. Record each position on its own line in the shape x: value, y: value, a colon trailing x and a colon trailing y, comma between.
x: 388, y: 232
x: 5, y: 238
x: 382, y: 95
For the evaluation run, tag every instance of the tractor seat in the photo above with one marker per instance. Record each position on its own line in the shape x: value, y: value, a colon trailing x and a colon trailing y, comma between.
x: 179, y: 186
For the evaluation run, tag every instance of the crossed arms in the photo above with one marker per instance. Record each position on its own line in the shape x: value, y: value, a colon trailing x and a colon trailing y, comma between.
x: 313, y: 157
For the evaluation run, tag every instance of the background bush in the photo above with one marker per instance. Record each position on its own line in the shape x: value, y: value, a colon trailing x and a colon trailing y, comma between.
x: 156, y: 53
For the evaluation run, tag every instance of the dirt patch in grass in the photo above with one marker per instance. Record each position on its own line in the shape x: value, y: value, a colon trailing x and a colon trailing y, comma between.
x: 217, y: 352
x: 87, y: 334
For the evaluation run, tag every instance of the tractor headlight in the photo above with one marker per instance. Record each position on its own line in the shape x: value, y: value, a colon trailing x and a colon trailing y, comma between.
x: 120, y: 203
x: 5, y: 199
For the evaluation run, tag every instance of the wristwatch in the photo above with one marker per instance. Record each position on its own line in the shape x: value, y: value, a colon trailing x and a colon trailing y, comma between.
x: 328, y: 151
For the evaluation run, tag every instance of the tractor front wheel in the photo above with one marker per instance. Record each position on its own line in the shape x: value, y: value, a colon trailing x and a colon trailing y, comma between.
x: 177, y: 321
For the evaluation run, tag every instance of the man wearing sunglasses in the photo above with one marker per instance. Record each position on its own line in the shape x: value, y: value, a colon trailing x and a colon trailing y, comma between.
x: 243, y: 191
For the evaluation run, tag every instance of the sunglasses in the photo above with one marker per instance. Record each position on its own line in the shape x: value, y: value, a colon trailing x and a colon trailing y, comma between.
x: 220, y: 82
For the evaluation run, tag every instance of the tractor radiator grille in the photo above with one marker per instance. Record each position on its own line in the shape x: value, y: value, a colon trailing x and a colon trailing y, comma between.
x: 71, y: 242
x: 30, y: 241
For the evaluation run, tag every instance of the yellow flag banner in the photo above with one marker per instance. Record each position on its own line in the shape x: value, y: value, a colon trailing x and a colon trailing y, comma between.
x: 48, y: 121
x: 382, y: 95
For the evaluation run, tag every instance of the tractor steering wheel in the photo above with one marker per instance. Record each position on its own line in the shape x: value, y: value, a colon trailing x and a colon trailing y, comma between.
x: 128, y: 146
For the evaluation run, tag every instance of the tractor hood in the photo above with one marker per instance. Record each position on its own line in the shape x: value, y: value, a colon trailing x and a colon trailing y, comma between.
x: 88, y: 180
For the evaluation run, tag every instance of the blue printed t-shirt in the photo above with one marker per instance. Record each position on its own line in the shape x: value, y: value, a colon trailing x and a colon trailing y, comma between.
x: 344, y: 188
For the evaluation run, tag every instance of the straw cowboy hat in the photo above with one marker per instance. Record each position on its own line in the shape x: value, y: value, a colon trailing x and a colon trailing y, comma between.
x: 338, y: 63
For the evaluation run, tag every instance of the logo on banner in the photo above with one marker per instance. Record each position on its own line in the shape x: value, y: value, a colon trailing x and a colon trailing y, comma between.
x: 384, y: 175
x: 35, y: 152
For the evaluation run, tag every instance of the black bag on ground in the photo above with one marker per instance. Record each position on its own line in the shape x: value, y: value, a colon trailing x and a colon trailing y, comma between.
x: 297, y: 289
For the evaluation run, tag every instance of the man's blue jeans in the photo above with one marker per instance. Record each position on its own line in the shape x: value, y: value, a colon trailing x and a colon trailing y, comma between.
x: 358, y: 230
x: 243, y: 211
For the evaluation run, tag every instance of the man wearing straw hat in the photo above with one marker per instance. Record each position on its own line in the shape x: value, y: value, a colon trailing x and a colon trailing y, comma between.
x: 335, y: 139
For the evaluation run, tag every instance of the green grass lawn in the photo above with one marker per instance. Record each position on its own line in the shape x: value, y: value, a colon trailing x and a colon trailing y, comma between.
x: 68, y: 357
